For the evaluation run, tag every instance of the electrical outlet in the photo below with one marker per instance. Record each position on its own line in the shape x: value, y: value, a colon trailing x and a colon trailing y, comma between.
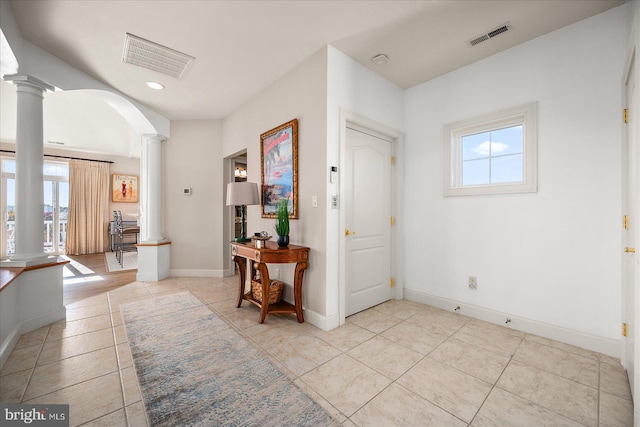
x: 473, y: 282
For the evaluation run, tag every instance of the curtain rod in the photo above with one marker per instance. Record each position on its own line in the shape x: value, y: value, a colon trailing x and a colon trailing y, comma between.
x: 64, y: 157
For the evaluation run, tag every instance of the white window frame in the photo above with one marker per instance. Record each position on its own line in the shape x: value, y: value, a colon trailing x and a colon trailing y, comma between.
x: 524, y: 115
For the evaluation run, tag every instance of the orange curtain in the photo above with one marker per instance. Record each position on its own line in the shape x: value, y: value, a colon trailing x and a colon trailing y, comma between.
x: 87, y: 226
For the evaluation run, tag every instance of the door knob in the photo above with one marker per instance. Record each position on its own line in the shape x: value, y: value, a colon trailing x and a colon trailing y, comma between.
x: 630, y: 250
x: 347, y: 232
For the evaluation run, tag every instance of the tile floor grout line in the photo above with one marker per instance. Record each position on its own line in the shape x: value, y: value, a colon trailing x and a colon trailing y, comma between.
x: 556, y: 374
x: 71, y: 385
x: 103, y: 415
x: 242, y: 321
x: 394, y: 381
x: 494, y: 385
x: 33, y: 369
x: 564, y: 415
x: 433, y: 403
x: 113, y: 330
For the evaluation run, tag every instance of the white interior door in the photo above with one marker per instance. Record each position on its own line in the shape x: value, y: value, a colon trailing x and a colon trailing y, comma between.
x: 630, y: 233
x: 367, y: 204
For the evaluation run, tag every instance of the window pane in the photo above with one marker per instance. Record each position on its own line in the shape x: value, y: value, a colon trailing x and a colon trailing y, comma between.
x: 49, y: 201
x: 507, y: 169
x: 63, y: 207
x: 492, y: 154
x: 475, y: 172
x: 55, y: 169
x: 506, y: 141
x: 475, y: 146
x: 9, y: 166
x: 11, y: 218
x: 64, y: 199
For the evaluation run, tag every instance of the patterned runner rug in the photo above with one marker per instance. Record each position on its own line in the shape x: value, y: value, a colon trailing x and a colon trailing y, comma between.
x: 195, y: 370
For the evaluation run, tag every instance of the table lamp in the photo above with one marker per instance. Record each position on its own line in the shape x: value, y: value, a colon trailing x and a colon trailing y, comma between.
x: 242, y: 194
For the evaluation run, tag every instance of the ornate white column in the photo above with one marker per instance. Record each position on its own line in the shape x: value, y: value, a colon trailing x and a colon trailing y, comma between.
x: 154, y: 249
x: 29, y: 163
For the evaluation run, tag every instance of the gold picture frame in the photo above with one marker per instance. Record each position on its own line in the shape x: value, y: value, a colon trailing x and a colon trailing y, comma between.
x: 124, y: 188
x: 279, y: 169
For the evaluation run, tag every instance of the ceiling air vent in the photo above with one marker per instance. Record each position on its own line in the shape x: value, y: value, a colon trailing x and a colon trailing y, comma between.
x: 490, y: 34
x: 150, y: 55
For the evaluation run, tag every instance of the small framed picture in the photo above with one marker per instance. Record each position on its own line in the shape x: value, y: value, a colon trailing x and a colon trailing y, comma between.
x: 124, y: 188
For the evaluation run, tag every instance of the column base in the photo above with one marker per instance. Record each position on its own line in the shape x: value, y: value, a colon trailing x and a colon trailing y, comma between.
x: 36, y: 258
x: 25, y: 261
x: 153, y: 261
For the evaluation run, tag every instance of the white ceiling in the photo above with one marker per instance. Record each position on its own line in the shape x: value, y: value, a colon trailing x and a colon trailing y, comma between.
x: 241, y: 47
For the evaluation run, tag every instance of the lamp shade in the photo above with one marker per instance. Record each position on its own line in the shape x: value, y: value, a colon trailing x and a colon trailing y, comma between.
x: 242, y: 193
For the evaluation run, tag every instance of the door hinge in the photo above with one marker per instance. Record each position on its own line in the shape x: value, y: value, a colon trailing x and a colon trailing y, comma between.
x: 625, y: 221
x: 392, y: 220
x: 393, y: 160
x: 625, y: 330
x: 392, y: 282
x: 625, y: 115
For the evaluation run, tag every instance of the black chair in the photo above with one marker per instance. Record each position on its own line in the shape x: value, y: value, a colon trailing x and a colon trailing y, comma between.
x: 124, y: 235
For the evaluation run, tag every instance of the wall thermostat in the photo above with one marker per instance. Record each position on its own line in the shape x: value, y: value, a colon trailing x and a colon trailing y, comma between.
x: 186, y: 191
x: 333, y: 178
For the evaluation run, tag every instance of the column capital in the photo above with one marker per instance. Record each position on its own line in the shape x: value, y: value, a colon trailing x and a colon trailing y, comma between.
x: 28, y: 81
x: 154, y: 137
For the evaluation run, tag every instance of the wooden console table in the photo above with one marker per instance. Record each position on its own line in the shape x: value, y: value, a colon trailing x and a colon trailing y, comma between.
x: 271, y: 254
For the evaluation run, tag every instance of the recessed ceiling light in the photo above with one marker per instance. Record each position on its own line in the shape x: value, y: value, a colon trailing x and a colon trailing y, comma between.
x: 155, y: 85
x: 380, y: 59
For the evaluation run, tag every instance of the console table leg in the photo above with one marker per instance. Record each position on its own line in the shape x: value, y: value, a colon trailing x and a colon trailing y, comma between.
x: 297, y: 289
x: 241, y: 267
x: 266, y: 287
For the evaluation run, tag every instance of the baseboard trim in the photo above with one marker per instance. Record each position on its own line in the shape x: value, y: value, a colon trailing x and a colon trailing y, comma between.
x: 595, y: 343
x: 325, y: 323
x: 196, y: 273
x: 9, y: 344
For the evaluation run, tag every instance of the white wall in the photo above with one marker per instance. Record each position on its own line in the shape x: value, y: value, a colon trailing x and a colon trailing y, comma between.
x: 357, y: 90
x: 553, y: 256
x: 32, y: 300
x: 300, y: 94
x: 192, y: 158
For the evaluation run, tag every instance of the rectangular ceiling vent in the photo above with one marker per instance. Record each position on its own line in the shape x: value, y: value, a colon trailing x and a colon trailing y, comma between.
x: 153, y: 56
x: 489, y: 35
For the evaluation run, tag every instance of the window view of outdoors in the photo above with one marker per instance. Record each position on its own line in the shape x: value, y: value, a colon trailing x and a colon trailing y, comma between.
x: 56, y: 206
x: 493, y: 157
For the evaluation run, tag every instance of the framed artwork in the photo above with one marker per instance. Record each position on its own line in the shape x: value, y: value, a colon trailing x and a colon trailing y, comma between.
x: 124, y: 188
x: 279, y: 168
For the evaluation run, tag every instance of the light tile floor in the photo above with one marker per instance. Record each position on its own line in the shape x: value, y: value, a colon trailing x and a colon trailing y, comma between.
x: 400, y: 363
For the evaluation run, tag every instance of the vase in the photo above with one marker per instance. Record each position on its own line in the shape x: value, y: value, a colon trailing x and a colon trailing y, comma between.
x: 283, y: 241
